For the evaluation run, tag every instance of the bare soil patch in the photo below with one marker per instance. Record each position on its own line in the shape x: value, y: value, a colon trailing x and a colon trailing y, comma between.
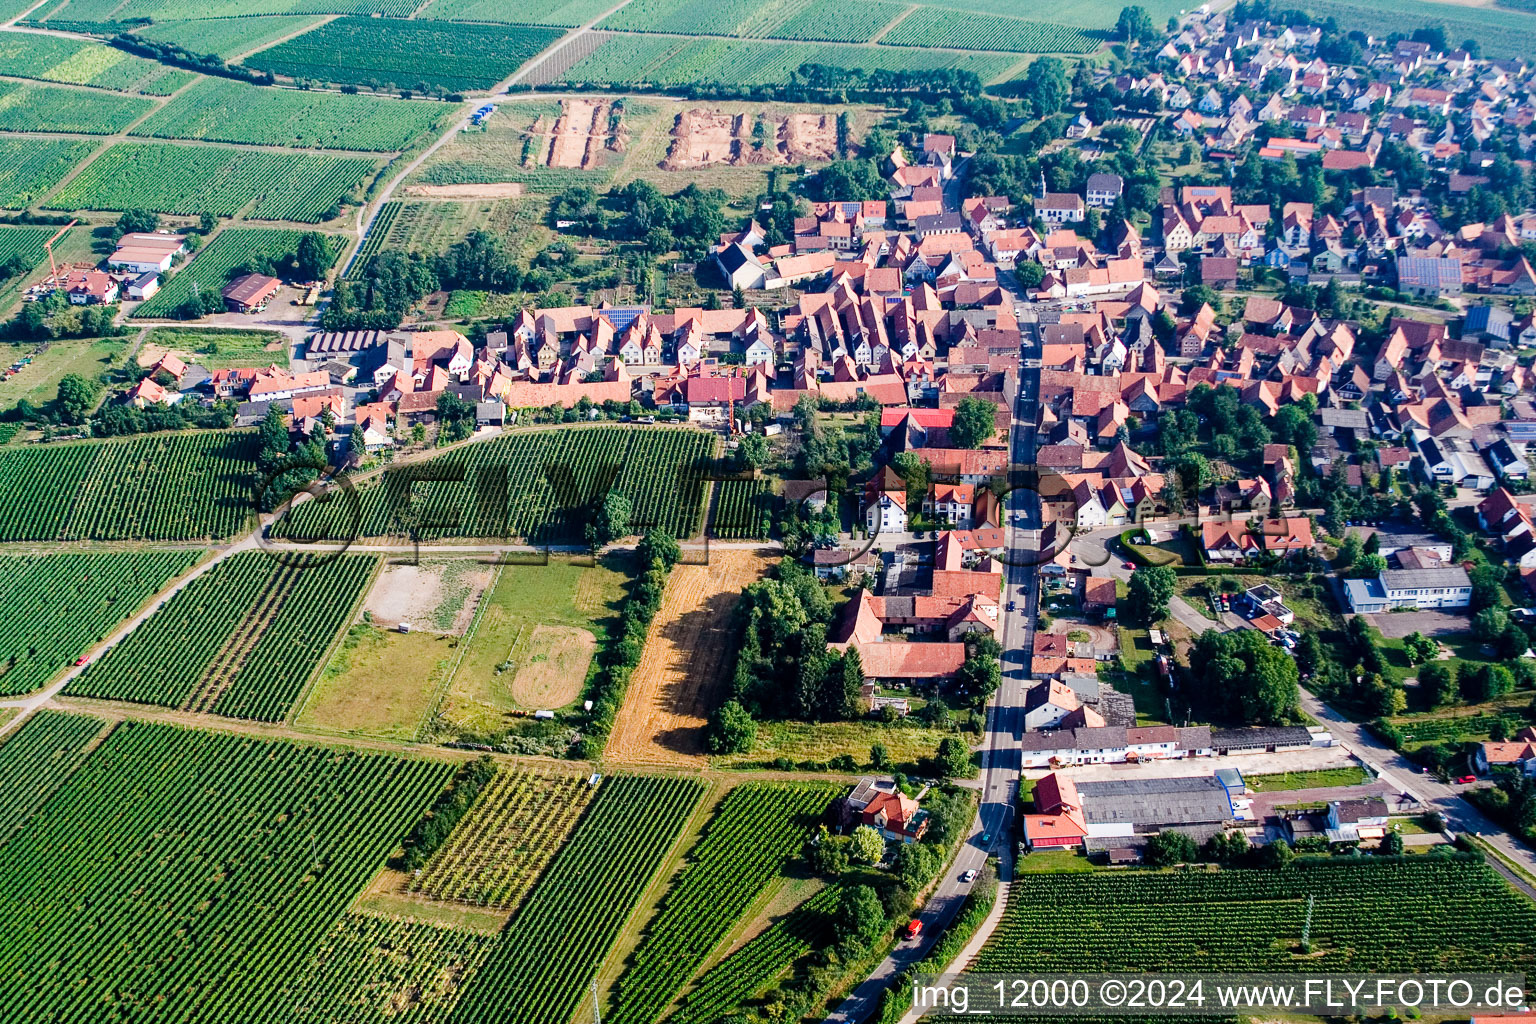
x: 710, y: 138
x: 495, y: 190
x: 554, y: 668
x: 435, y: 596
x: 687, y: 657
x: 581, y: 137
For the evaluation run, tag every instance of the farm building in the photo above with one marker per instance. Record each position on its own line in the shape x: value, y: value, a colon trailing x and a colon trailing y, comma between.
x: 146, y: 252
x: 250, y: 293
x: 144, y: 286
x: 1071, y: 813
x: 1266, y: 738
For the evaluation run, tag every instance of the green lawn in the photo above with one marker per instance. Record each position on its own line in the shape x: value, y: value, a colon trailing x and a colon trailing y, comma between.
x: 905, y: 745
x: 1322, y: 778
x: 1051, y: 862
x: 38, y: 382
x: 221, y: 348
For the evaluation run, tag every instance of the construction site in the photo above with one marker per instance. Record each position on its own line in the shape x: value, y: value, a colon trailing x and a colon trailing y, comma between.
x: 711, y: 138
x: 581, y: 137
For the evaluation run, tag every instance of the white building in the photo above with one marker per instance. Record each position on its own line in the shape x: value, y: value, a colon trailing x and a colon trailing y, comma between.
x: 1445, y: 587
x: 887, y: 513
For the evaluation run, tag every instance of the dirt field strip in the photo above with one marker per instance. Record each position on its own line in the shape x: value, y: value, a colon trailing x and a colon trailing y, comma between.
x: 710, y: 138
x: 581, y: 135
x: 687, y: 656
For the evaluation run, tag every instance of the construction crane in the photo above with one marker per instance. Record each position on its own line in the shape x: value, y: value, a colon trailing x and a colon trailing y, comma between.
x: 53, y: 268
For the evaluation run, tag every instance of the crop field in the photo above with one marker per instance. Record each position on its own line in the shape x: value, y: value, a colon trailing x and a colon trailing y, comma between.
x: 1393, y: 916
x: 247, y: 635
x: 540, y: 486
x: 388, y: 52
x: 229, y: 249
x: 37, y: 758
x: 154, y: 487
x: 180, y: 10
x: 26, y: 107
x: 832, y: 21
x: 376, y: 970
x: 540, y: 968
x: 226, y: 38
x: 208, y: 859
x: 1089, y: 14
x: 24, y: 242
x: 743, y: 509
x: 930, y: 26
x: 690, y: 17
x: 431, y: 226
x: 667, y: 61
x: 221, y: 110
x: 757, y: 828
x: 1503, y: 33
x: 688, y: 653
x: 378, y: 231
x: 506, y: 840
x: 213, y: 179
x: 759, y: 961
x: 567, y: 13
x: 72, y: 61
x: 82, y: 597
x: 29, y: 168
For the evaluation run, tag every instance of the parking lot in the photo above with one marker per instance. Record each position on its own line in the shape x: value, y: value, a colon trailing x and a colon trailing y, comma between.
x: 1396, y: 625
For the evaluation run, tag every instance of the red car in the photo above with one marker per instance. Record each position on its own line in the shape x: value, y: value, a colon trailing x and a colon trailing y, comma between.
x: 1465, y: 779
x: 80, y: 661
x: 914, y: 929
x: 1127, y: 565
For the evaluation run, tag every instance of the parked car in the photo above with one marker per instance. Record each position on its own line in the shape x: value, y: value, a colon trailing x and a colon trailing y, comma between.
x: 1467, y: 779
x: 1011, y: 605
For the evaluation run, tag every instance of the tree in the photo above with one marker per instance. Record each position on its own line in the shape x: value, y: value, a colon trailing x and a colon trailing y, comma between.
x: 1028, y: 274
x: 1045, y: 83
x: 1489, y: 624
x: 658, y: 546
x: 1170, y: 847
x: 611, y: 521
x: 76, y: 398
x: 1420, y: 648
x: 1369, y: 566
x: 1151, y: 588
x: 975, y: 422
x: 1279, y: 854
x: 860, y: 918
x: 312, y: 258
x: 1240, y: 676
x: 868, y: 846
x: 733, y: 731
x: 953, y: 759
x: 1135, y: 26
x: 828, y: 854
x: 1349, y: 552
x: 1392, y: 844
x: 751, y: 451
x: 137, y: 220
x: 879, y: 757
x: 1437, y: 685
x: 915, y: 864
x: 357, y: 444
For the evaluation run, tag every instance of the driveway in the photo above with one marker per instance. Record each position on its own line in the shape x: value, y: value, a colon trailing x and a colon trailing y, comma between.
x: 1311, y: 759
x: 1431, y: 623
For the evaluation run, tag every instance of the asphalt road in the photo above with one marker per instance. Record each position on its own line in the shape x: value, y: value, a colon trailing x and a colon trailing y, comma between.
x: 991, y: 832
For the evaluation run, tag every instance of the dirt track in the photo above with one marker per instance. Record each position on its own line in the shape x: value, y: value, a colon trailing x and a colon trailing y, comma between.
x: 687, y: 657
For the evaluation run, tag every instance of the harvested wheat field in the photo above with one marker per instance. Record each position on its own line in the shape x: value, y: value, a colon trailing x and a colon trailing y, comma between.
x: 687, y: 657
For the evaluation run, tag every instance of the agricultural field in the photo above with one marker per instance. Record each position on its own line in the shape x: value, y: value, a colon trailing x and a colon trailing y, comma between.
x: 377, y: 970
x: 1502, y: 33
x: 930, y: 26
x: 38, y: 381
x: 540, y: 968
x: 759, y: 961
x: 215, y: 348
x: 298, y: 832
x: 759, y: 826
x: 213, y: 179
x: 379, y: 684
x: 743, y: 510
x: 807, y: 743
x: 230, y: 249
x: 247, y: 635
x: 221, y: 110
x: 533, y: 642
x: 1391, y: 916
x: 73, y: 61
x: 82, y: 598
x: 688, y: 654
x: 178, y: 10
x: 172, y: 486
x: 832, y: 21
x: 388, y: 53
x: 540, y: 486
x: 567, y: 13
x: 28, y: 107
x: 1089, y: 14
x: 668, y: 62
x: 509, y: 836
x: 24, y: 243
x: 431, y: 226
x: 226, y: 38
x: 37, y: 758
x: 30, y: 168
x: 688, y: 17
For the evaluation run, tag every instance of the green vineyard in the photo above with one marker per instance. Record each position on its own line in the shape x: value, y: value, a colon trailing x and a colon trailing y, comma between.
x: 220, y: 110
x: 541, y: 486
x: 82, y: 597
x: 388, y: 52
x: 72, y: 61
x: 929, y: 26
x: 759, y: 962
x: 155, y: 487
x: 758, y: 827
x: 1374, y: 914
x: 37, y: 759
x: 211, y: 268
x: 29, y: 168
x: 541, y: 966
x: 225, y: 38
x: 214, y: 179
x: 506, y: 840
x: 25, y: 244
x: 176, y: 869
x: 743, y: 510
x: 246, y: 636
x: 28, y: 107
x: 568, y: 13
